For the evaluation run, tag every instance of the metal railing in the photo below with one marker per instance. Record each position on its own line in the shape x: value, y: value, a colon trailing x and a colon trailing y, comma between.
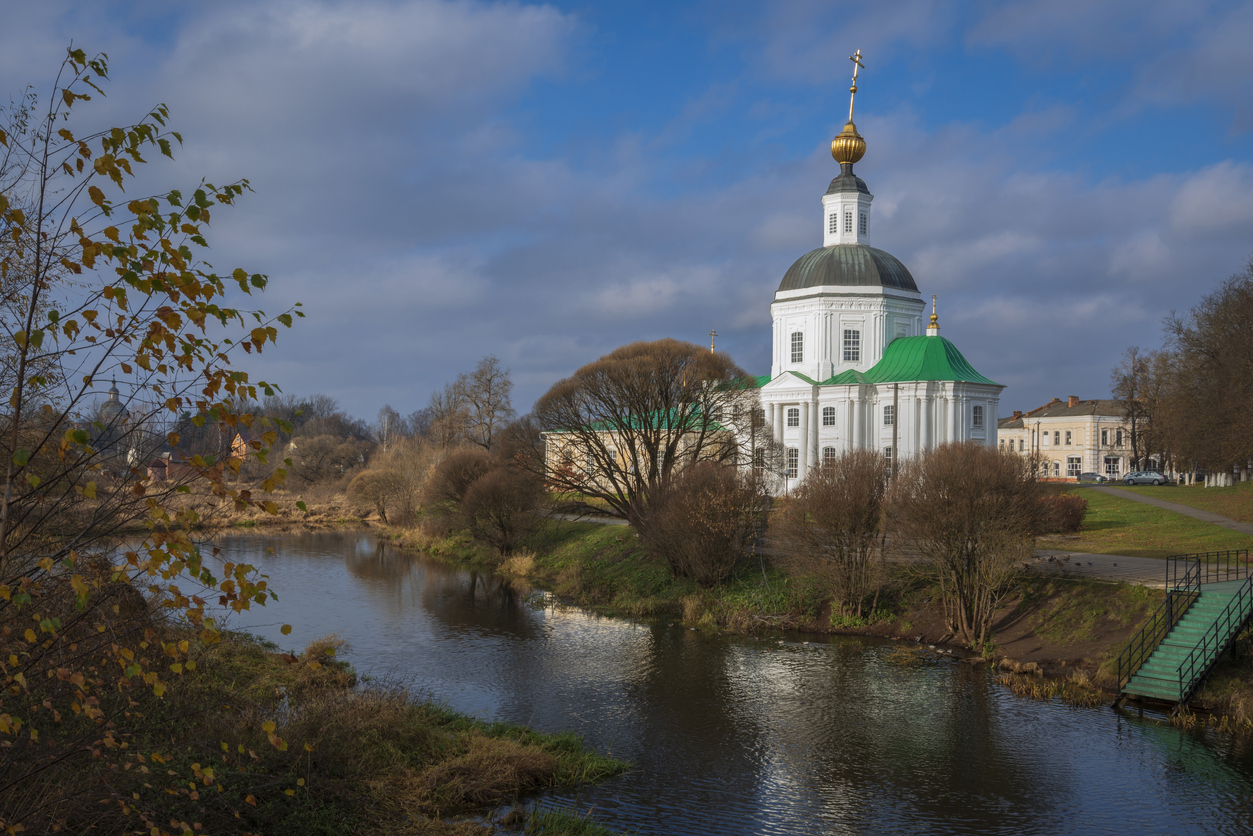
x: 1205, y: 655
x: 1184, y: 575
x: 1210, y: 567
x: 1184, y: 593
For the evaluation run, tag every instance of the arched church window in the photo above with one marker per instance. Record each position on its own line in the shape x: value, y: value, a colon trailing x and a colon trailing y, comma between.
x: 829, y: 455
x: 852, y: 346
x: 793, y: 462
x: 833, y: 223
x: 861, y: 223
x: 793, y: 417
x: 848, y: 221
x: 828, y: 416
x: 889, y: 415
x: 798, y: 347
x: 976, y: 418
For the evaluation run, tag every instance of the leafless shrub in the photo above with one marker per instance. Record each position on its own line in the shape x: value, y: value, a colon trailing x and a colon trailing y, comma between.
x: 971, y: 511
x: 452, y: 477
x: 501, y: 507
x: 832, y: 529
x: 381, y: 488
x: 1062, y: 514
x: 704, y: 522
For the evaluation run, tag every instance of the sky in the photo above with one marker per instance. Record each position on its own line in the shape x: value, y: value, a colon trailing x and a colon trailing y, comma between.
x: 438, y: 181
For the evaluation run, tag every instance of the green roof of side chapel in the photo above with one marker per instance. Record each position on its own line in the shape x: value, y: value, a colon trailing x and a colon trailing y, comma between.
x: 922, y: 358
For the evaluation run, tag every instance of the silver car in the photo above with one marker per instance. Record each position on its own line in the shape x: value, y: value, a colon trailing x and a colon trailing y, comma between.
x: 1145, y: 477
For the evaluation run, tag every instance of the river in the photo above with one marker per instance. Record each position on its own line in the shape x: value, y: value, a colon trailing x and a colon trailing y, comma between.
x: 787, y: 734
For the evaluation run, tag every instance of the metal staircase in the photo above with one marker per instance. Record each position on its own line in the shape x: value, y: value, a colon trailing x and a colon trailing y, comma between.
x: 1209, y: 600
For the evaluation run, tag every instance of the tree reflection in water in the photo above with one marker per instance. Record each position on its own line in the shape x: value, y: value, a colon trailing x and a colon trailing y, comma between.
x: 741, y: 735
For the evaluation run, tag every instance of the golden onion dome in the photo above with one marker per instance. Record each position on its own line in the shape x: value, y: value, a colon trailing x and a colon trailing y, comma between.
x: 848, y: 145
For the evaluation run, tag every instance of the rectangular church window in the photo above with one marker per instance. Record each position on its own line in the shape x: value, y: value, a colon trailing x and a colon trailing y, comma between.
x: 793, y: 417
x: 833, y: 223
x: 861, y: 224
x: 852, y: 346
x: 889, y: 415
x: 848, y: 221
x: 798, y: 347
x: 976, y: 419
x: 829, y: 455
x: 828, y: 416
x: 793, y: 462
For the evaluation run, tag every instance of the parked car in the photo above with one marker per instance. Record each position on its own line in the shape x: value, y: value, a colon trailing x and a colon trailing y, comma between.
x: 1092, y: 477
x: 1145, y: 477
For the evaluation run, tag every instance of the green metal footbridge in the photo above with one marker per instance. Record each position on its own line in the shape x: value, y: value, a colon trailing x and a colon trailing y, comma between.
x: 1209, y: 600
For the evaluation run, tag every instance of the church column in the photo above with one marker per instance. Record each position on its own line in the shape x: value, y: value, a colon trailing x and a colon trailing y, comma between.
x: 927, y: 407
x: 802, y: 449
x: 856, y: 441
x: 815, y: 422
x: 776, y: 421
x: 951, y: 430
x: 915, y: 426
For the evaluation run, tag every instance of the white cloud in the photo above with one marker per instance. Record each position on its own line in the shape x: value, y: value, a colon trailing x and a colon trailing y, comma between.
x: 1215, y: 202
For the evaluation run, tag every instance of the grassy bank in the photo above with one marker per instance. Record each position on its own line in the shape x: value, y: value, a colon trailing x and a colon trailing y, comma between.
x: 1125, y: 527
x: 292, y: 744
x: 1054, y: 637
x: 1234, y: 503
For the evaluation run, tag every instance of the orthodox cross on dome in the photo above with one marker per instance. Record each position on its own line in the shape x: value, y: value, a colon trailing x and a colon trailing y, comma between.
x: 934, y: 328
x: 712, y: 335
x: 852, y: 91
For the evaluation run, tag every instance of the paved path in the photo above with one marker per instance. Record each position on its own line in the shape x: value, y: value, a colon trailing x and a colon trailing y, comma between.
x: 1186, y: 510
x: 1146, y: 571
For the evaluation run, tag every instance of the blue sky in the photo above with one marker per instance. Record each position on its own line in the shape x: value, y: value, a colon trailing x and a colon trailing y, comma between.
x: 437, y: 181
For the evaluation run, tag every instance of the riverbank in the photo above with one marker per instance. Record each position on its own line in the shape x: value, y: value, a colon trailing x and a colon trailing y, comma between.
x: 1065, y: 631
x: 292, y: 743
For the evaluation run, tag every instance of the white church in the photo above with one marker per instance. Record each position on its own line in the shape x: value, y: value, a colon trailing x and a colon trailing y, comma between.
x: 852, y: 365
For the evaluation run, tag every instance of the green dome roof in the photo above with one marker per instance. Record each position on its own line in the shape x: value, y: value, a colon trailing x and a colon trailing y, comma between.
x: 921, y: 358
x: 847, y: 265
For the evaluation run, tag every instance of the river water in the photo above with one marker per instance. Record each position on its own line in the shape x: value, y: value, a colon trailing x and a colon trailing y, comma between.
x: 790, y: 734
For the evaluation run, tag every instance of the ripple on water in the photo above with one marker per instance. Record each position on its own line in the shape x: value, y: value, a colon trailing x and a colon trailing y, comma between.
x: 734, y: 735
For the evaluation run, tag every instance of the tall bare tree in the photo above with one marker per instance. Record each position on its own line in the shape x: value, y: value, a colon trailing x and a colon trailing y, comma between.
x: 620, y: 428
x: 389, y: 429
x: 832, y: 528
x: 1130, y: 384
x: 1214, y: 348
x: 972, y: 512
x: 485, y: 394
x: 447, y: 416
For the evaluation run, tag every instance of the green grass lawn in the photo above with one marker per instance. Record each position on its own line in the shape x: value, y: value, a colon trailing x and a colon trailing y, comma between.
x: 1122, y: 526
x: 1235, y: 502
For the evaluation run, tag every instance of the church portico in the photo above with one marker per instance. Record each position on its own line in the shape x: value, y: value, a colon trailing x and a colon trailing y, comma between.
x: 852, y: 366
